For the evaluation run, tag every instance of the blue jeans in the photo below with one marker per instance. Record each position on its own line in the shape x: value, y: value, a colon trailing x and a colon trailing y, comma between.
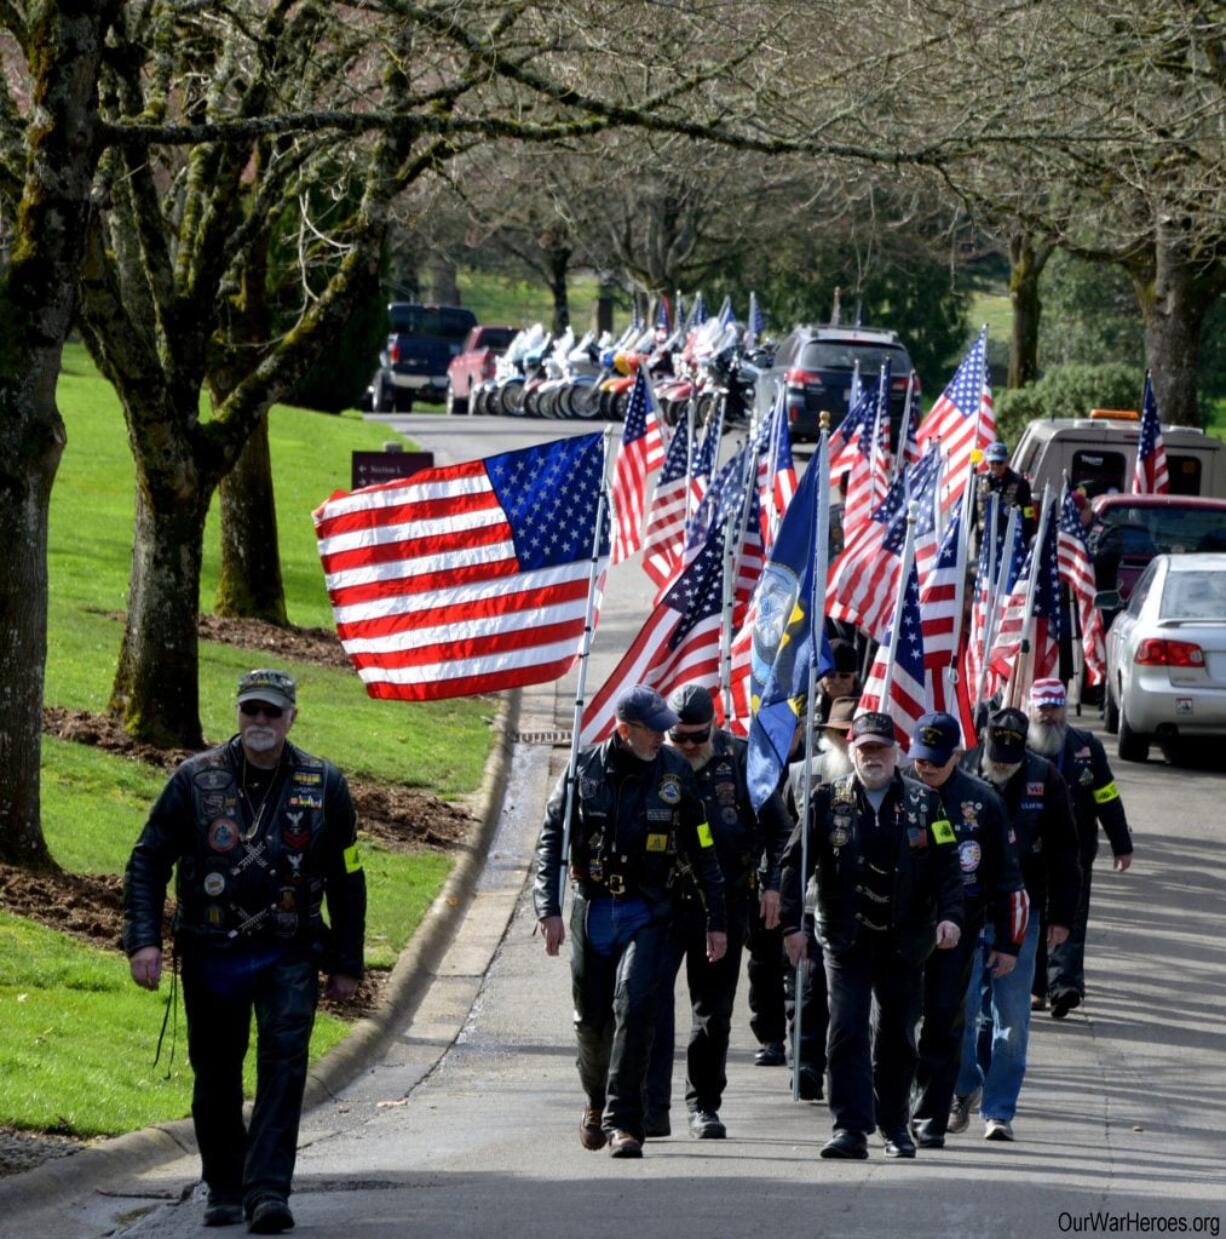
x: 1001, y: 1005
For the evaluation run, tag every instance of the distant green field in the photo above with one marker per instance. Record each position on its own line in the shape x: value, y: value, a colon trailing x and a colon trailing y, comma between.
x: 518, y: 303
x: 996, y: 310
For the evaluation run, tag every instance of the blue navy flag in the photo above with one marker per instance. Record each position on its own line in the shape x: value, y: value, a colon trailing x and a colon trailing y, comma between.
x: 785, y: 633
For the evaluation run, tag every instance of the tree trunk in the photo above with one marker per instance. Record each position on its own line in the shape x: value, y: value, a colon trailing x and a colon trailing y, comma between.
x: 250, y: 585
x: 37, y: 302
x: 559, y: 266
x: 603, y: 308
x: 443, y: 286
x: 1175, y: 296
x: 156, y: 690
x: 1026, y: 263
x: 24, y: 500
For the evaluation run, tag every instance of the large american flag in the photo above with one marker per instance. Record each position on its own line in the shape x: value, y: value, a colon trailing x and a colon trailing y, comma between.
x: 908, y: 698
x: 1077, y: 572
x: 468, y: 578
x: 664, y: 538
x: 782, y: 482
x: 1043, y: 566
x: 706, y: 457
x: 1150, y: 476
x: 679, y: 643
x: 1009, y: 562
x: 863, y: 580
x: 963, y: 418
x: 641, y: 451
x: 845, y: 438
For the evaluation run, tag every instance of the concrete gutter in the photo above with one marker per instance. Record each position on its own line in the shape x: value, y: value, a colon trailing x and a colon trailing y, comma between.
x: 415, y: 970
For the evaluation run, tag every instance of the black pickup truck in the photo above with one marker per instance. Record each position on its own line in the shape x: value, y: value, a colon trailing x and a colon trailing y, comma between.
x: 413, y: 365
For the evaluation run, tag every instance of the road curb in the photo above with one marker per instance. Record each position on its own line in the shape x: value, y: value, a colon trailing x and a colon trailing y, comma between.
x: 138, y: 1151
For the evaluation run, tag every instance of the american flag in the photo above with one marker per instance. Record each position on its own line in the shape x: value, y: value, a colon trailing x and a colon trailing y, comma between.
x: 641, y: 451
x: 845, y: 438
x: 881, y: 462
x: 705, y: 458
x: 909, y: 450
x: 868, y: 480
x: 664, y: 539
x: 726, y: 316
x: 663, y: 317
x: 1077, y: 572
x: 963, y: 418
x: 679, y: 643
x: 468, y: 578
x: 947, y: 681
x: 779, y: 485
x: 1043, y: 567
x: 1150, y: 477
x: 863, y: 581
x: 1009, y: 563
x: 908, y: 698
x: 727, y: 497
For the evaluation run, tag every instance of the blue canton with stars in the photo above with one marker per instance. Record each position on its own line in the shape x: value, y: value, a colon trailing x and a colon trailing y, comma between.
x: 698, y: 593
x: 636, y: 411
x: 1151, y: 427
x: 909, y: 656
x: 723, y: 494
x: 549, y: 495
x: 675, y: 459
x: 1070, y: 520
x: 965, y: 389
x: 1047, y: 589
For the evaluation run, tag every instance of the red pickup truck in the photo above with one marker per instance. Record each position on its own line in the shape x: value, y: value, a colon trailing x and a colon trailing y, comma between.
x: 474, y: 363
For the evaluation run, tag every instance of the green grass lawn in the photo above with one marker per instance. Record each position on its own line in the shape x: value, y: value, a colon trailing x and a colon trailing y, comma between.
x: 76, y: 1036
x: 517, y: 303
x: 996, y: 310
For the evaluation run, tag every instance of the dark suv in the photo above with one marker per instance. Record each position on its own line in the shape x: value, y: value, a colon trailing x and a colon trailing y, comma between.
x: 423, y: 340
x: 814, y: 366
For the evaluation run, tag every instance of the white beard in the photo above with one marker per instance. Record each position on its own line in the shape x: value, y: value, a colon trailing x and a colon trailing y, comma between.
x: 1045, y: 739
x: 260, y: 739
x: 1000, y: 772
x: 835, y: 764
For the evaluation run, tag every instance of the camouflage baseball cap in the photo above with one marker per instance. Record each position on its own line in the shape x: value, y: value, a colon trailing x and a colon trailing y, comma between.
x: 266, y: 684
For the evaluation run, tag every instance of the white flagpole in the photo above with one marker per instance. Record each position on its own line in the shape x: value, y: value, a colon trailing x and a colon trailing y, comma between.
x: 989, y: 631
x: 908, y: 558
x: 1017, y: 680
x: 904, y: 431
x: 780, y: 410
x: 689, y: 455
x: 817, y: 616
x: 737, y: 525
x: 589, y: 627
x: 882, y: 399
x: 964, y: 541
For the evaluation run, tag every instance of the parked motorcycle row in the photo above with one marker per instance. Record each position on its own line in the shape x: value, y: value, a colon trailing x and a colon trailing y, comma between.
x: 590, y: 378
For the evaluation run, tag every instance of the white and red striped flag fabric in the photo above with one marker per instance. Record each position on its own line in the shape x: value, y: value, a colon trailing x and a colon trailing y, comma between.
x: 908, y: 696
x: 1042, y: 565
x: 679, y: 643
x: 664, y: 538
x: 962, y: 419
x: 1077, y: 572
x: 468, y: 578
x: 641, y: 452
x: 1150, y: 475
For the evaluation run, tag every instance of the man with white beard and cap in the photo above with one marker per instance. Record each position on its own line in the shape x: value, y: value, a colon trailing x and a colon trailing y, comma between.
x: 717, y: 759
x: 889, y: 891
x: 1059, y: 976
x: 1041, y: 816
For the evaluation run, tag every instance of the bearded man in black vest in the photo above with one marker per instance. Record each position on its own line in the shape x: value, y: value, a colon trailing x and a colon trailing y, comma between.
x: 261, y: 833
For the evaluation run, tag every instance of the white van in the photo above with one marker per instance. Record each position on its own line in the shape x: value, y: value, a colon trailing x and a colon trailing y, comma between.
x: 1098, y: 454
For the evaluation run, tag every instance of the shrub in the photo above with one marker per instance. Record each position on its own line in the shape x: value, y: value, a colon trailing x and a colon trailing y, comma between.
x: 1068, y: 391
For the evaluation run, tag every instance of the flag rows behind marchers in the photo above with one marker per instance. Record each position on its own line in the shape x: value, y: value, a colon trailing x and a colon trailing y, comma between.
x: 641, y: 452
x: 1077, y: 572
x: 468, y: 578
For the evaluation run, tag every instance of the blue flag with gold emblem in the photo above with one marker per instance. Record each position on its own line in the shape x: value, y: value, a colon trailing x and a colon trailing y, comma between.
x: 784, y: 633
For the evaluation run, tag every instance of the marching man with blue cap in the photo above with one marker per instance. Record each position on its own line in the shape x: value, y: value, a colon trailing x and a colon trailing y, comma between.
x: 1013, y: 489
x: 991, y: 888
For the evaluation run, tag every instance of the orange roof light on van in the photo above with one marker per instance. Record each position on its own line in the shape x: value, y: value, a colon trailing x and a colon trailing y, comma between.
x: 1115, y: 415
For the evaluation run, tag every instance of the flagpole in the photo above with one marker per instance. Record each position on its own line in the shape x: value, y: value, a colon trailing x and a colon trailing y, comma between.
x: 689, y: 455
x: 904, y: 433
x: 817, y: 614
x: 951, y: 672
x: 584, y: 658
x: 908, y: 558
x: 989, y: 631
x: 882, y: 399
x: 733, y: 552
x: 1018, y: 676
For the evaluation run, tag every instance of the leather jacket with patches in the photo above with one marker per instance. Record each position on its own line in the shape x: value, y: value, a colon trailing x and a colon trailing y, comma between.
x: 1096, y: 799
x: 741, y: 838
x: 251, y: 872
x: 1041, y: 815
x: 635, y: 827
x: 924, y: 884
x: 1014, y: 491
x: 987, y: 857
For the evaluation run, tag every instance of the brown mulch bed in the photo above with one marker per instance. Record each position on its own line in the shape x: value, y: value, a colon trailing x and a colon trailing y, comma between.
x: 310, y: 645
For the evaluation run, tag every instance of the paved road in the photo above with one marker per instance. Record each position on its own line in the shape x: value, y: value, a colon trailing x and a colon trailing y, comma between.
x: 1122, y: 1113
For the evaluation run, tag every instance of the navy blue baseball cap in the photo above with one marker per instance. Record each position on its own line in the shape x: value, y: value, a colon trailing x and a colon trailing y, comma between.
x: 935, y: 737
x: 642, y: 704
x: 997, y: 452
x: 1007, y: 735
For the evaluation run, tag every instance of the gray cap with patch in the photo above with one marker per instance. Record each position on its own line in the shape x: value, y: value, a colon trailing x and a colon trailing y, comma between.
x: 275, y: 687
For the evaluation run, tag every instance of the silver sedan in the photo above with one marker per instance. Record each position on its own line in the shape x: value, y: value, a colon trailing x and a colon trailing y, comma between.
x: 1166, y: 656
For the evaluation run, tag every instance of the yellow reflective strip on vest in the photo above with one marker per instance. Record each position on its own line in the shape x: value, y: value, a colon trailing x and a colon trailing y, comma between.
x: 1108, y: 791
x: 353, y: 862
x: 942, y: 831
x: 1028, y: 513
x: 704, y: 835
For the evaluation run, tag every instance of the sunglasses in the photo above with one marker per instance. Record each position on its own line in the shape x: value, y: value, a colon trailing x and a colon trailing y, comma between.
x: 690, y: 737
x: 252, y: 708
